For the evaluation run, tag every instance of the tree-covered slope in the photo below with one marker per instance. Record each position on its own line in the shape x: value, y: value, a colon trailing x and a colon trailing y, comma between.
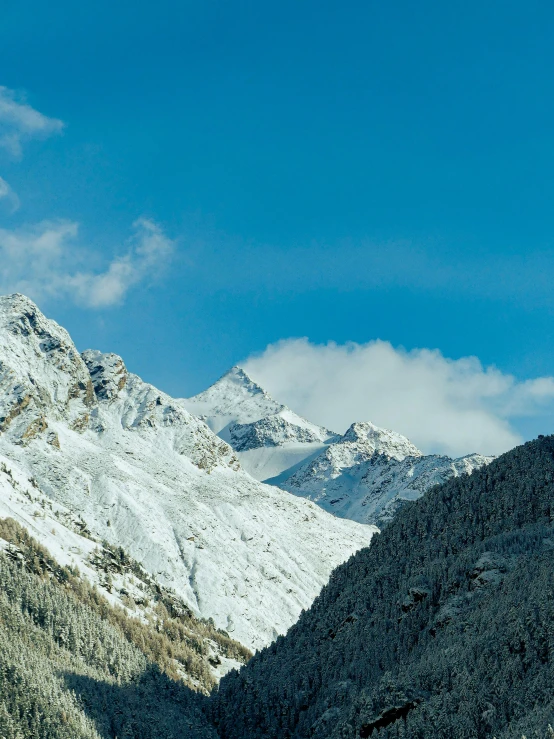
x: 74, y: 666
x: 443, y: 627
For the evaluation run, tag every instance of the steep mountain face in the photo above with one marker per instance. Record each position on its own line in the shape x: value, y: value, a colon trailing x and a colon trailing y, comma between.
x: 365, y: 475
x: 204, y: 654
x: 144, y: 473
x: 442, y: 628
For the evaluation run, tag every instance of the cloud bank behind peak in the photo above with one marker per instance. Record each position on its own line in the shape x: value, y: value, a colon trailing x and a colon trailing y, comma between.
x: 452, y: 406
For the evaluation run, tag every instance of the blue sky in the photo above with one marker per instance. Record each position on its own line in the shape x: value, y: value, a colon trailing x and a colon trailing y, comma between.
x: 343, y: 172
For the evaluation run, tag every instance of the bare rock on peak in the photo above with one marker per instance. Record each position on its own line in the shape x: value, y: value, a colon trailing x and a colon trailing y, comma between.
x: 107, y: 371
x: 41, y: 371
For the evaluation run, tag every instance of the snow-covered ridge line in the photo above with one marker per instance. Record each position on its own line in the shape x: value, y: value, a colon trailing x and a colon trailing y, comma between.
x: 364, y: 475
x: 269, y: 437
x: 146, y: 474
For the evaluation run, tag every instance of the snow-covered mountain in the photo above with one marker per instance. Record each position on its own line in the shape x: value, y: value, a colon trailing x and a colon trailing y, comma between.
x: 69, y: 541
x: 368, y: 473
x: 269, y: 438
x: 363, y: 475
x: 144, y: 473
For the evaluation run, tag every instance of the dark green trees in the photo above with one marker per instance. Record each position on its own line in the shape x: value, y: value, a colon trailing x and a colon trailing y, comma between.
x: 444, y: 627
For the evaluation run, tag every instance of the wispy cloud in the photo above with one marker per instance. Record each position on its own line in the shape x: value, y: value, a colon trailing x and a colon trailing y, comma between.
x: 20, y: 122
x: 443, y: 405
x: 45, y: 261
x: 8, y: 198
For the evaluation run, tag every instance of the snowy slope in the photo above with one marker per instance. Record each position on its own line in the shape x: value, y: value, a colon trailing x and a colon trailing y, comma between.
x: 370, y: 472
x: 364, y: 475
x: 269, y: 438
x: 67, y: 538
x: 146, y: 474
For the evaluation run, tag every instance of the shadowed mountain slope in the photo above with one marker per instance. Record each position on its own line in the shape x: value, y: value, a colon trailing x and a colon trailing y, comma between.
x: 74, y: 667
x: 442, y: 628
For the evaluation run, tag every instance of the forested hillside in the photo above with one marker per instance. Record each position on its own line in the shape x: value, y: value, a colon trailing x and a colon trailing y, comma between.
x: 72, y: 665
x: 443, y: 627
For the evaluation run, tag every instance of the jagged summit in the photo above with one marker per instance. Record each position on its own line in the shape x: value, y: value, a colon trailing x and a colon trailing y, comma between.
x: 18, y: 302
x: 19, y: 315
x: 236, y: 381
x: 370, y: 472
x: 239, y: 376
x: 41, y: 371
x: 234, y: 398
x: 366, y: 474
x: 270, y: 437
x: 381, y: 440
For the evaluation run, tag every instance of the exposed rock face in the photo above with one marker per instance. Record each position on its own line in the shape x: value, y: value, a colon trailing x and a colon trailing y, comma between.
x: 146, y: 474
x: 374, y: 439
x: 141, y: 406
x: 272, y: 431
x: 108, y: 373
x: 41, y: 372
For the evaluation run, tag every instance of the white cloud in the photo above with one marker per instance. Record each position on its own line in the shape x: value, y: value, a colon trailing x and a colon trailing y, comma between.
x: 20, y: 122
x: 8, y: 198
x: 4, y: 188
x: 45, y: 261
x: 442, y: 405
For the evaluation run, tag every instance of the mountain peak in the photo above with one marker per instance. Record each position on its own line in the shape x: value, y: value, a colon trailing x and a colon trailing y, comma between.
x: 234, y: 398
x: 17, y: 300
x: 237, y: 376
x: 382, y: 440
x: 41, y: 371
x: 21, y: 315
x: 238, y: 372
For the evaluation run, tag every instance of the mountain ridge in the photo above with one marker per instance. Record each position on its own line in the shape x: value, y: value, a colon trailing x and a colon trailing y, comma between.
x: 270, y: 436
x: 145, y: 473
x: 365, y: 474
